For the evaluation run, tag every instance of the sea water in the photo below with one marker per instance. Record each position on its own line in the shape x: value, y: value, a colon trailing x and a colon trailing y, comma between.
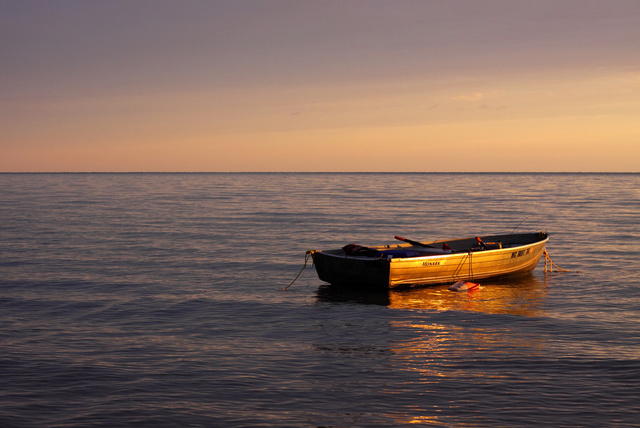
x: 156, y: 300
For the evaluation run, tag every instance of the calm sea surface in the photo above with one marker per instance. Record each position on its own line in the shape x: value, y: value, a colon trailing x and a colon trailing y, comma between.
x: 155, y: 300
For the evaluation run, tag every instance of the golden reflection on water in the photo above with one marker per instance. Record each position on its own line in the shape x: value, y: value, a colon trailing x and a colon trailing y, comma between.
x: 438, y: 350
x: 523, y: 295
x: 424, y: 420
x: 439, y: 353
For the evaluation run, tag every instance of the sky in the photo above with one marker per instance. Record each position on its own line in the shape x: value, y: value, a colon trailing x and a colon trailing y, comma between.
x: 310, y: 85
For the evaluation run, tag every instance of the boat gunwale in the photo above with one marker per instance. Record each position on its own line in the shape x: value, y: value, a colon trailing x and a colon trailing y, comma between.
x: 432, y: 256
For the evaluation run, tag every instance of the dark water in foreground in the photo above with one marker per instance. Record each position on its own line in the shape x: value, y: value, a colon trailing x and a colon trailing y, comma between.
x: 156, y: 300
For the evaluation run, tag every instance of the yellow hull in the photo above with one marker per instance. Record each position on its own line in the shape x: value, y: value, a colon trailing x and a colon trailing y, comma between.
x: 513, y: 254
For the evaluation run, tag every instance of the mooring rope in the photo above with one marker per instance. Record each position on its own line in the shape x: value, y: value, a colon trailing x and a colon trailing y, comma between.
x: 307, y: 254
x: 552, y: 264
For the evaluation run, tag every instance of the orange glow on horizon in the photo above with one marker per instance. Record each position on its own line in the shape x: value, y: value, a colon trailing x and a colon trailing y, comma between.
x: 527, y: 106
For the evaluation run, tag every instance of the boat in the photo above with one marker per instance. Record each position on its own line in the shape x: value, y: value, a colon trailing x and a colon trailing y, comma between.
x: 414, y: 263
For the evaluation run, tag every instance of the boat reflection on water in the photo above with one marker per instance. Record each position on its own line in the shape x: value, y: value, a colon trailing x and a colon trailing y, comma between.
x: 458, y: 352
x: 341, y: 294
x: 522, y: 295
x: 444, y: 347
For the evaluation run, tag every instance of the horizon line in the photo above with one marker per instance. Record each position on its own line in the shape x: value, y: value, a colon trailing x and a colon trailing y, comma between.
x: 319, y: 172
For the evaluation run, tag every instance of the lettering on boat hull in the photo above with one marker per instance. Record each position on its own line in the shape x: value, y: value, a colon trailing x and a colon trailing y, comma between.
x: 521, y: 253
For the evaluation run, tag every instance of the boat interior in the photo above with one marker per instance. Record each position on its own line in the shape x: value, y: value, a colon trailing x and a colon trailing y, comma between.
x: 441, y: 247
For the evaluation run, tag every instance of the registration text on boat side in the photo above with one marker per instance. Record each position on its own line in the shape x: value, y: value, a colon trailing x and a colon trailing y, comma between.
x: 521, y: 253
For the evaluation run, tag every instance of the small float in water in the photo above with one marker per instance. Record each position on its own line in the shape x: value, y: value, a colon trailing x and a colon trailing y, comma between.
x: 464, y: 286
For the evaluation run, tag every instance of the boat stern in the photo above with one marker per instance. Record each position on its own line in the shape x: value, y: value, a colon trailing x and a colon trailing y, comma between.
x: 351, y: 271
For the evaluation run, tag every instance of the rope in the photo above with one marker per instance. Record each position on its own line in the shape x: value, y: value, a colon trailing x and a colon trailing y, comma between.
x: 308, y: 254
x: 552, y: 264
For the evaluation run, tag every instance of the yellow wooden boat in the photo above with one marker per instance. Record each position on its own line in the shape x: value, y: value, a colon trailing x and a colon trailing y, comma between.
x: 437, y: 262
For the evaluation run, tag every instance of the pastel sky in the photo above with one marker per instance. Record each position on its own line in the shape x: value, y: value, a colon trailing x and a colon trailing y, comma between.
x: 320, y: 85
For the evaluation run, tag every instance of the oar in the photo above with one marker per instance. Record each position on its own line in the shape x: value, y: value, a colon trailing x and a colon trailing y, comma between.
x: 414, y: 243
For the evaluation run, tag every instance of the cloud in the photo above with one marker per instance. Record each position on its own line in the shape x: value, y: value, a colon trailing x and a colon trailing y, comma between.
x: 468, y: 97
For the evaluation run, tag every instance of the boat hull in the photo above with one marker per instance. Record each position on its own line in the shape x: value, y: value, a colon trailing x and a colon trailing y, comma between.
x: 519, y: 254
